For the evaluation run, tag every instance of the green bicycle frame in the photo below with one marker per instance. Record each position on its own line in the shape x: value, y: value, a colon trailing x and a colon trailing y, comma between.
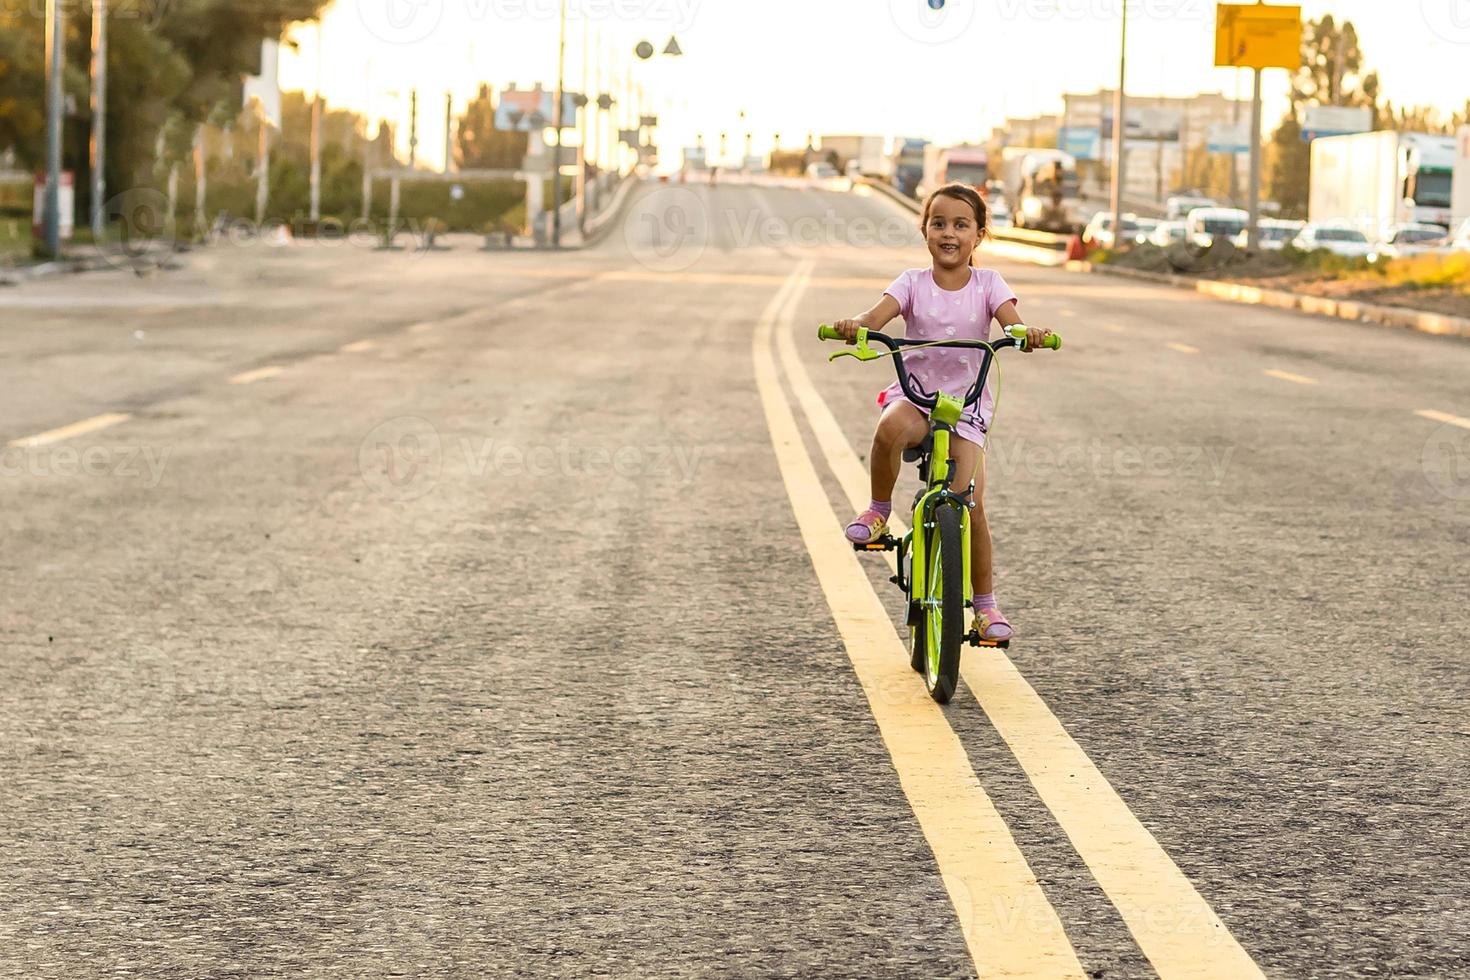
x: 937, y: 494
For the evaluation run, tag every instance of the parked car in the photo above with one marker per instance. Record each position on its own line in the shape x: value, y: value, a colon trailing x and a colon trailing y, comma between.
x: 1338, y: 239
x: 1145, y: 228
x: 1273, y: 233
x: 1100, y: 228
x: 1203, y: 224
x: 1178, y: 206
x: 1169, y: 232
x: 1000, y: 214
x: 821, y: 171
x: 1411, y: 238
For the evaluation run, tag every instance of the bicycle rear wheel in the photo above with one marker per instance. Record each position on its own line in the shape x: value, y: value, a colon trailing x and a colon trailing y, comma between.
x: 940, y: 631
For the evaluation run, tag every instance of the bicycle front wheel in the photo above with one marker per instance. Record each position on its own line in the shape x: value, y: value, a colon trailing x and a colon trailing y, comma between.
x: 940, y: 630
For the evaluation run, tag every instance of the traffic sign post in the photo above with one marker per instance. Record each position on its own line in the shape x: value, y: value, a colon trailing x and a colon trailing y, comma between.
x: 1257, y: 36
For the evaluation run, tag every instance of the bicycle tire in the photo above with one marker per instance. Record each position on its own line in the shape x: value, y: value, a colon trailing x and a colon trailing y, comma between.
x: 940, y: 632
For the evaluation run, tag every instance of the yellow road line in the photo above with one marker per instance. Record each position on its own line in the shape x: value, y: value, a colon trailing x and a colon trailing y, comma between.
x: 50, y: 436
x: 258, y: 374
x: 1182, y: 348
x: 1300, y: 379
x: 1173, y: 925
x: 1009, y: 925
x: 357, y: 346
x: 1434, y: 416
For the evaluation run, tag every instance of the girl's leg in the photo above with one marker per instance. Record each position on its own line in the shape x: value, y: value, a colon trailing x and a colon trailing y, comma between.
x: 901, y: 426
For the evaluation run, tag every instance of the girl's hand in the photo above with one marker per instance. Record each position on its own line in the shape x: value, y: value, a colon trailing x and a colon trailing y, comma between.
x: 848, y: 329
x: 1035, y: 337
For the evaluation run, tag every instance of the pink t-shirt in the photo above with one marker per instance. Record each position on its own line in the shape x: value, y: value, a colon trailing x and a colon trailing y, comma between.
x: 932, y: 313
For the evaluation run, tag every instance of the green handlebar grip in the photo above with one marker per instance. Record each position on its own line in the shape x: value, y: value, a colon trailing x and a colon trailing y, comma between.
x: 1018, y: 331
x: 828, y: 332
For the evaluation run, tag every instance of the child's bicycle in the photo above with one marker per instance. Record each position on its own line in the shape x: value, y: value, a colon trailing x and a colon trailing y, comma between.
x: 934, y: 555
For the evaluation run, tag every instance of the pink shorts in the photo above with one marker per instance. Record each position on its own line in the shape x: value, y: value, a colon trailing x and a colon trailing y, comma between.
x: 971, y: 427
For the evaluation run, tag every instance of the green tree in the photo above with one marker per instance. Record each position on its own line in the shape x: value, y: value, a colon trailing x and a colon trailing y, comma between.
x: 1331, y: 74
x: 480, y: 145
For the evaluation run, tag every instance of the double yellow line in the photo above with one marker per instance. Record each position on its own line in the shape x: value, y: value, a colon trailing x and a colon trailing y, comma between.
x: 1010, y: 926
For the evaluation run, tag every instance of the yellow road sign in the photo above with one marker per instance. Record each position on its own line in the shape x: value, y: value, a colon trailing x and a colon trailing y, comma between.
x: 1258, y: 35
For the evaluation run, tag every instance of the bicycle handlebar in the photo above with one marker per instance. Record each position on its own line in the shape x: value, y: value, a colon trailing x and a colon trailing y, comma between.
x: 1015, y: 337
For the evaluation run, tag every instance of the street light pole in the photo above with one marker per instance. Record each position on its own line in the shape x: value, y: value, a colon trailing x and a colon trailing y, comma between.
x: 557, y: 121
x: 1252, y: 226
x: 1120, y: 158
x: 55, y: 63
x: 97, y: 152
x: 316, y: 133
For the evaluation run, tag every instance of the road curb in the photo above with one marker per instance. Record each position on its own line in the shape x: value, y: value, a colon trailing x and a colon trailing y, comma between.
x: 1438, y: 324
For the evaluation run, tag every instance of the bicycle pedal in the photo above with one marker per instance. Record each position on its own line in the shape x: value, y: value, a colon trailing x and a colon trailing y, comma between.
x: 975, y: 640
x: 886, y: 543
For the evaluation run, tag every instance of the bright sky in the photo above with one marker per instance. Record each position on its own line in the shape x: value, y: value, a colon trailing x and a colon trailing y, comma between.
x: 889, y: 67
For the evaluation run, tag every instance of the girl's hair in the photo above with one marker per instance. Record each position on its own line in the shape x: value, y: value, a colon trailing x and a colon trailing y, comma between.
x: 959, y: 192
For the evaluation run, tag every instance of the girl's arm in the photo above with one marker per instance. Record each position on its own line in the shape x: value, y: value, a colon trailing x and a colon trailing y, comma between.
x: 1007, y: 316
x: 875, y: 319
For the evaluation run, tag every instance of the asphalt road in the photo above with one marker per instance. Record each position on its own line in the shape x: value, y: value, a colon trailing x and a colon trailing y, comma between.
x: 456, y: 615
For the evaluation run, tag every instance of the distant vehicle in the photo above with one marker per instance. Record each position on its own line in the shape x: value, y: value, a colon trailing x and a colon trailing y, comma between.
x: 865, y: 151
x: 1178, y: 207
x: 908, y: 165
x: 1374, y: 180
x: 954, y: 164
x: 1203, y: 224
x: 1145, y: 227
x: 1460, y: 180
x: 1042, y: 188
x: 1339, y: 239
x: 1000, y: 213
x: 821, y: 171
x: 1169, y: 232
x: 1272, y: 233
x: 1100, y: 228
x: 1410, y: 239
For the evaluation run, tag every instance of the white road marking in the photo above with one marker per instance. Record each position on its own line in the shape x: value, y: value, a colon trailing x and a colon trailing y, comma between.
x: 1182, y: 348
x: 1010, y: 927
x: 1445, y: 417
x: 1300, y: 379
x: 358, y: 346
x: 1172, y: 923
x: 93, y: 424
x: 258, y: 374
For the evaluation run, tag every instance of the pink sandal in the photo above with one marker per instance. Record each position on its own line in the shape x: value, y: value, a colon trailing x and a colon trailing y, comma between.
x: 867, y: 527
x: 992, y: 625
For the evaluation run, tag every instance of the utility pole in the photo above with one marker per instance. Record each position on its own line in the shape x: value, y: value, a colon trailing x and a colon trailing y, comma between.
x: 448, y: 130
x: 582, y: 143
x: 1252, y: 235
x: 413, y: 128
x: 97, y: 151
x: 55, y: 65
x: 557, y: 123
x: 1120, y: 157
x: 262, y: 167
x: 316, y: 133
x: 199, y: 178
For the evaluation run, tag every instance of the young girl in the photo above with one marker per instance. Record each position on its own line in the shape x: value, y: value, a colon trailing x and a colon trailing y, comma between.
x: 951, y: 299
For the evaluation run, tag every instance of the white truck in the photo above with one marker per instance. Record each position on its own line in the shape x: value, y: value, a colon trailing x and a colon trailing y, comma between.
x: 866, y: 155
x: 1375, y: 180
x: 1042, y: 189
x: 966, y: 164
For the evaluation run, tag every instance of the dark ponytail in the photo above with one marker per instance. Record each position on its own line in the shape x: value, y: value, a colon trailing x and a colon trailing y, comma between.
x: 967, y: 194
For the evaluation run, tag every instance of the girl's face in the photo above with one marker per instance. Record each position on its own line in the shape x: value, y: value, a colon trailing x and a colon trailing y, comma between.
x: 952, y: 232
